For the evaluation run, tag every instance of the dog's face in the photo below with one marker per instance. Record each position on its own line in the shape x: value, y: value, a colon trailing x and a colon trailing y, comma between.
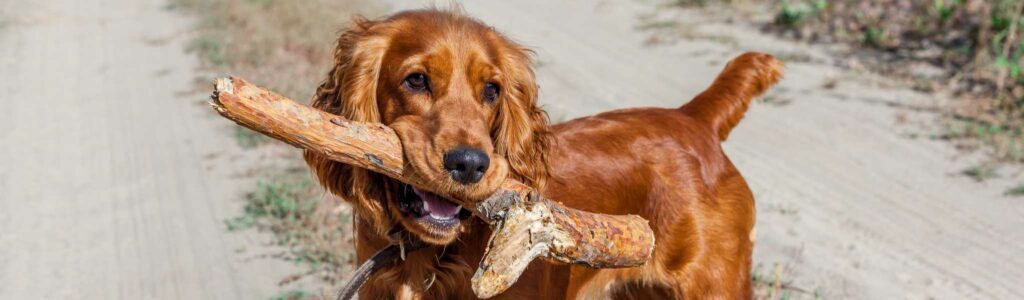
x: 462, y: 99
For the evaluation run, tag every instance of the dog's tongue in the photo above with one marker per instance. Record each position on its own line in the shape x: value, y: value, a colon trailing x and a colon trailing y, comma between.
x: 437, y: 207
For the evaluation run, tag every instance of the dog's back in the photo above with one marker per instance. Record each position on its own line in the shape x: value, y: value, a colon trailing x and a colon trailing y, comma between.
x: 667, y: 165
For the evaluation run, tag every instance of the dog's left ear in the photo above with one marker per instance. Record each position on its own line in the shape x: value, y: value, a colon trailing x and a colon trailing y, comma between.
x: 521, y: 131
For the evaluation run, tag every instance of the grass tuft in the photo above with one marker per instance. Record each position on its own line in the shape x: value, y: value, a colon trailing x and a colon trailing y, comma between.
x: 775, y: 286
x: 316, y: 229
x: 980, y: 172
x: 1016, y: 191
x: 295, y: 295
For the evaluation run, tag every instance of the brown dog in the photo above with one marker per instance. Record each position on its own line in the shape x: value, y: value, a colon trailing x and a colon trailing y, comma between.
x: 463, y: 100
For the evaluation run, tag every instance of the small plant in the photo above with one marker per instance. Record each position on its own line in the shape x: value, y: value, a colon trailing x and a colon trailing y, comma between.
x: 792, y: 15
x: 980, y: 172
x: 1016, y: 191
x: 874, y: 36
x: 945, y: 11
x: 278, y: 199
x: 774, y: 286
x: 316, y: 230
x: 692, y: 2
x: 296, y: 294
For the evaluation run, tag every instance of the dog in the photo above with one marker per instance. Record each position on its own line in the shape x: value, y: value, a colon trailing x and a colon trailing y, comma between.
x: 462, y: 98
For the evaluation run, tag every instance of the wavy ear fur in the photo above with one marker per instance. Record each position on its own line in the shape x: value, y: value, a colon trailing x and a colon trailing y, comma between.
x: 521, y: 132
x: 350, y: 91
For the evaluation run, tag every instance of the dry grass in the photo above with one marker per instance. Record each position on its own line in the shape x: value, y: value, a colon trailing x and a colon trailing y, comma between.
x: 284, y: 45
x: 773, y: 285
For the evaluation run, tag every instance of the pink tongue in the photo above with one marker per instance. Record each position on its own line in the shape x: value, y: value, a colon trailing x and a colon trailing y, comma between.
x: 436, y: 206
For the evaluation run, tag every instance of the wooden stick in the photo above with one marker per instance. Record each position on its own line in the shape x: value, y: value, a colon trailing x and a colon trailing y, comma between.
x: 526, y: 225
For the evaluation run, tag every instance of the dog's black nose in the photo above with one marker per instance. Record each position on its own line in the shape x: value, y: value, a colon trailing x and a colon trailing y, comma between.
x: 466, y: 165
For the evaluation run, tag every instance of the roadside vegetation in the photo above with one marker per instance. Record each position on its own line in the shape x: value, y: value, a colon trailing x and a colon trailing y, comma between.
x: 316, y: 231
x: 286, y: 46
x: 977, y: 46
x: 773, y: 285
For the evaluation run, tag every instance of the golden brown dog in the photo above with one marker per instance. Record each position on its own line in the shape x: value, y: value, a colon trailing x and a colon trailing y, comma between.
x: 463, y: 100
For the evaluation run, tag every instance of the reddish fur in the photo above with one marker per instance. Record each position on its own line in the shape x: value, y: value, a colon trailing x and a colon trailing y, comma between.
x: 665, y: 165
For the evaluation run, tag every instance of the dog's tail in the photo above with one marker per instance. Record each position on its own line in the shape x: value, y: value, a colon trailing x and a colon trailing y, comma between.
x: 723, y: 103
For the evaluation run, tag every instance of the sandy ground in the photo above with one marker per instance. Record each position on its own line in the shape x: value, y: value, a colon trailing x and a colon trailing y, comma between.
x: 109, y: 187
x: 107, y: 184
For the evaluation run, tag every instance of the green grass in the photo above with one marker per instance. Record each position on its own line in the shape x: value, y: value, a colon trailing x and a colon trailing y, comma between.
x: 281, y: 199
x: 1016, y: 191
x: 315, y: 229
x: 773, y: 285
x: 794, y: 14
x: 980, y: 172
x: 295, y: 295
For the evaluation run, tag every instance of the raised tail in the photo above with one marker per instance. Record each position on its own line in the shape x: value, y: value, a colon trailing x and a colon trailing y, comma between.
x: 722, y: 104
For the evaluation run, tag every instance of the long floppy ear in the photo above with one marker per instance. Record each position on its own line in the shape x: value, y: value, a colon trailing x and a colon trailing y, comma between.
x: 521, y: 134
x: 350, y: 90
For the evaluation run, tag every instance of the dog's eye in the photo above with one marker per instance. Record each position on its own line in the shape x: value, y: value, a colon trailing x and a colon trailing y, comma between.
x: 417, y: 82
x: 491, y: 92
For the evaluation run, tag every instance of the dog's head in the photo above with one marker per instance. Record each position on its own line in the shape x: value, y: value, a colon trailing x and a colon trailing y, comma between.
x: 462, y: 99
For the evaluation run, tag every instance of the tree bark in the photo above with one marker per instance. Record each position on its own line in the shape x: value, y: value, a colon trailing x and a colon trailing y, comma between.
x: 526, y: 225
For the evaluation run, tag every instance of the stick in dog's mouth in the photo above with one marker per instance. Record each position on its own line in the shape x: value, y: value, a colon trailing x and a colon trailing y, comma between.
x: 522, y: 218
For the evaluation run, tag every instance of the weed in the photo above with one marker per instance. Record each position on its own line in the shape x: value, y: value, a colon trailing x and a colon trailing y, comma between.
x: 980, y: 172
x: 1016, y: 191
x: 316, y: 230
x: 945, y: 10
x: 656, y: 24
x: 692, y: 2
x: 874, y: 36
x: 296, y: 294
x: 791, y: 15
x: 774, y: 286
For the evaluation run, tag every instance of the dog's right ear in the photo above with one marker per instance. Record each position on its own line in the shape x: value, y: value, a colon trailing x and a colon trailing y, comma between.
x: 350, y: 90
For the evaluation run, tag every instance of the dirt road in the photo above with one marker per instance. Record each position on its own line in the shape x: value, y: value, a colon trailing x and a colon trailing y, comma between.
x: 849, y: 204
x: 107, y: 189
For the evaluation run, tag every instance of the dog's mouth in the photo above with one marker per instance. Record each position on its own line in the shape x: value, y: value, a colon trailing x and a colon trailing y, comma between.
x: 438, y: 217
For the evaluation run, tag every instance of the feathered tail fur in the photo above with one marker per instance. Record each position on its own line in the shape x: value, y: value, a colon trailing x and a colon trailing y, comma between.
x: 722, y: 104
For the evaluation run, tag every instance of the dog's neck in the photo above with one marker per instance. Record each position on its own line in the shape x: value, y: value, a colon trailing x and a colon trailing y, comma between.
x: 441, y: 271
